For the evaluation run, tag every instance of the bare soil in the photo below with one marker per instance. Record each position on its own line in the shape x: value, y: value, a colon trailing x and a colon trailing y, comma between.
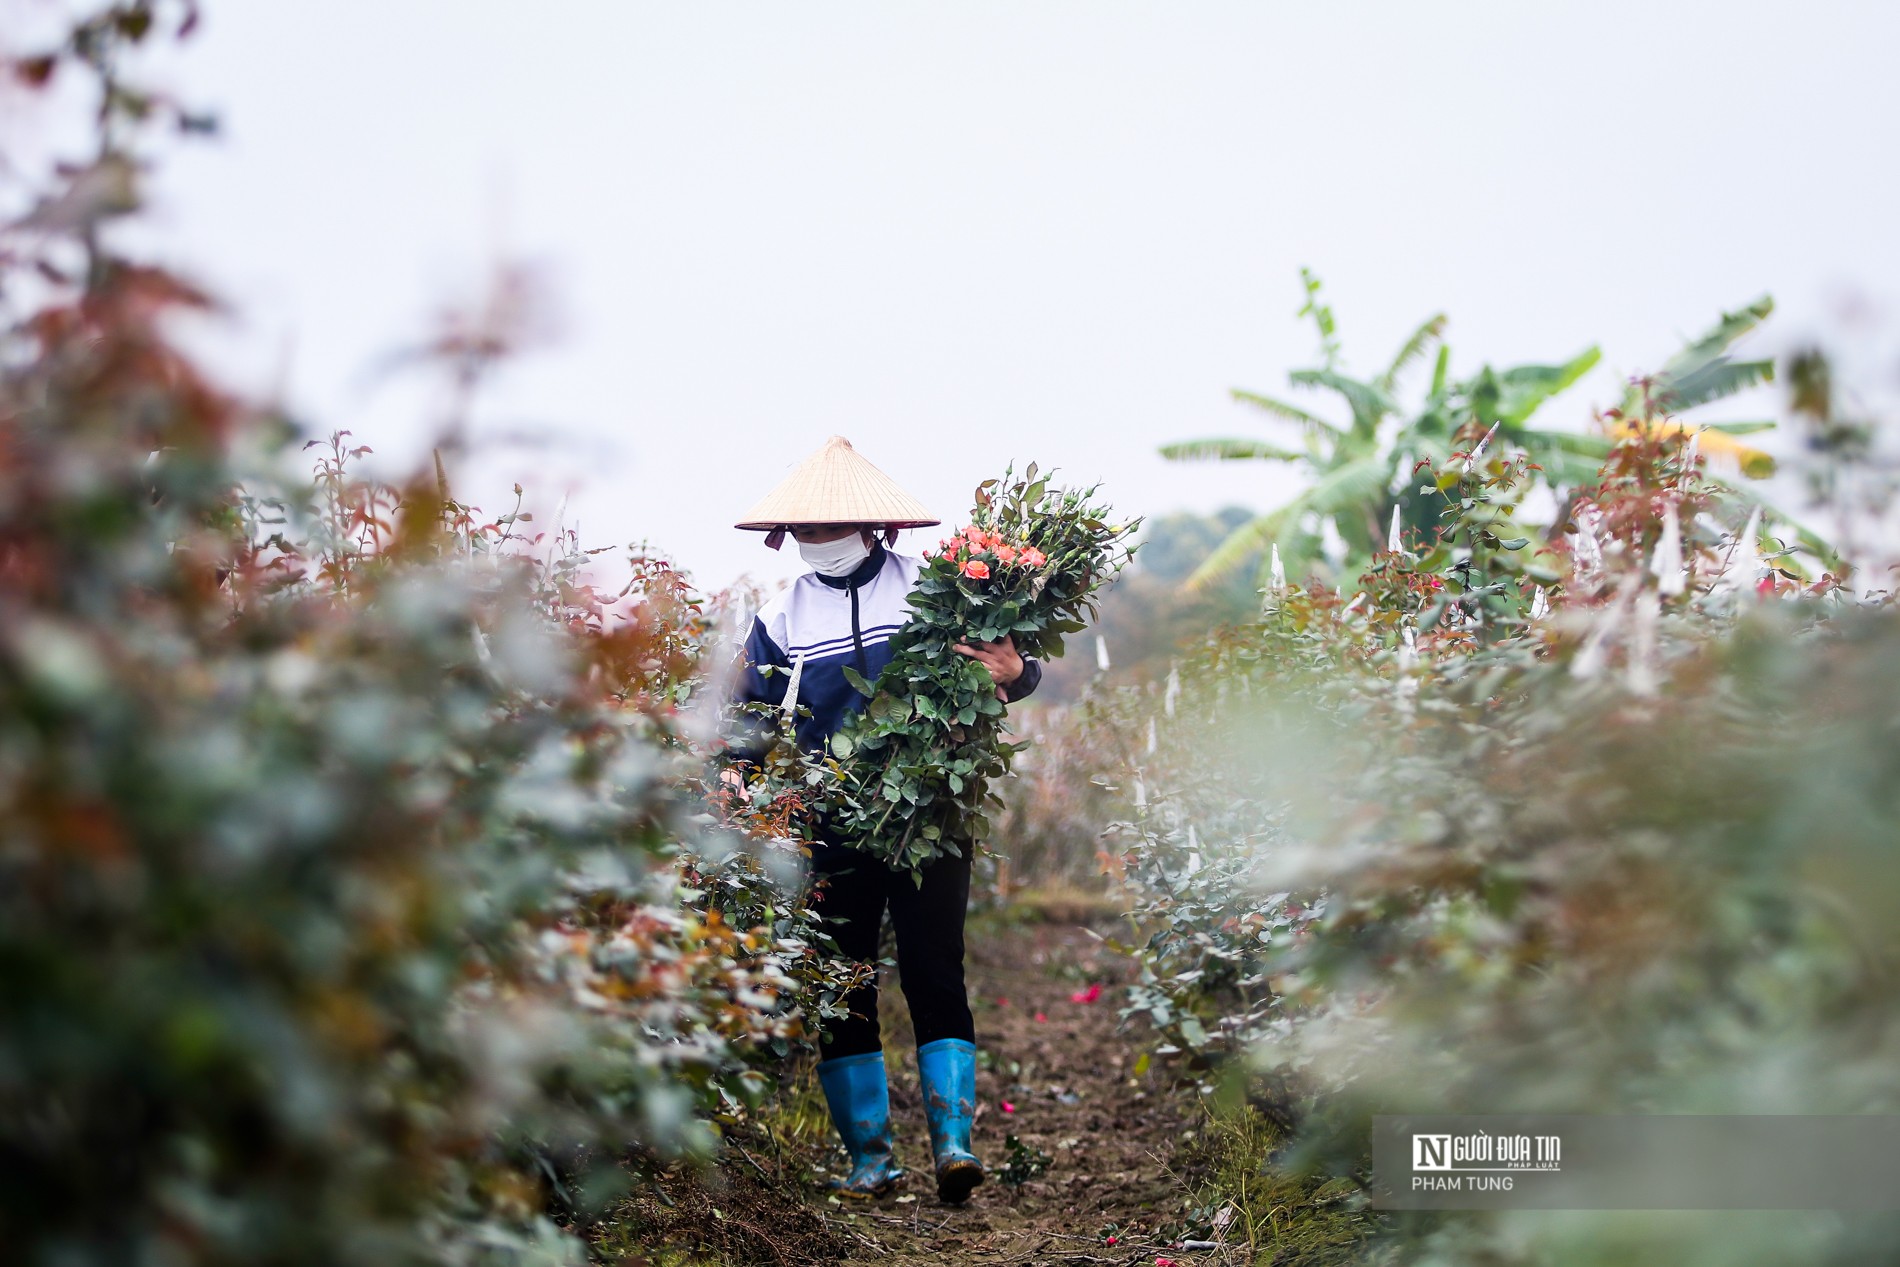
x: 1056, y: 1070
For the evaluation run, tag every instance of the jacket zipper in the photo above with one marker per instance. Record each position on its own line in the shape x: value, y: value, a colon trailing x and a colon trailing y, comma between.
x: 857, y: 637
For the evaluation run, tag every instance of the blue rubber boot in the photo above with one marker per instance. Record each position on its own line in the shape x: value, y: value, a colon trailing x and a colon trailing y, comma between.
x: 947, y: 1068
x: 860, y: 1101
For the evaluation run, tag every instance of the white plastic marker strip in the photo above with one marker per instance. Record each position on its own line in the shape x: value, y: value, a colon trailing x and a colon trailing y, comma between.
x: 1666, y: 563
x: 791, y: 688
x: 1745, y: 559
x: 1478, y: 452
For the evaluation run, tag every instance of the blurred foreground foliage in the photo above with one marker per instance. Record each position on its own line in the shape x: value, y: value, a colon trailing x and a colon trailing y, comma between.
x: 1596, y: 815
x: 357, y: 881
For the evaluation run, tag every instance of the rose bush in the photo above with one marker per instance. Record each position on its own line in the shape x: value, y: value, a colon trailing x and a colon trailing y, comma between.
x: 1584, y: 816
x: 356, y: 880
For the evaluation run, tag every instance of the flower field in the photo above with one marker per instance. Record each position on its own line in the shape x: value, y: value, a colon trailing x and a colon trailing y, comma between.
x: 1589, y: 815
x: 369, y: 892
x: 360, y: 901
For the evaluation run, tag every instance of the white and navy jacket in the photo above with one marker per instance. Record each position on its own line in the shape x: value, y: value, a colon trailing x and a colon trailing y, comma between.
x: 830, y: 622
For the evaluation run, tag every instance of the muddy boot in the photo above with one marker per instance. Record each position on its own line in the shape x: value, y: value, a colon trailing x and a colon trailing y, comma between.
x: 948, y: 1071
x: 860, y: 1103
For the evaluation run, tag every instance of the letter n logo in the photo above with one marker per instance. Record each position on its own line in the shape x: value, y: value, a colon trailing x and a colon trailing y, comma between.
x: 1431, y: 1152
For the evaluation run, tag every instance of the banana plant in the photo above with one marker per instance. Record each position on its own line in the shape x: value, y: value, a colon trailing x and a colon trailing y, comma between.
x: 1362, y: 467
x: 1704, y: 371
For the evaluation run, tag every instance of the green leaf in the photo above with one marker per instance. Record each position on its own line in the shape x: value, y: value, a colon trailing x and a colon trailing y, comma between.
x: 1522, y: 389
x: 1539, y: 442
x: 1336, y: 491
x: 1281, y: 409
x: 1710, y: 382
x: 1703, y: 371
x: 1228, y: 450
x: 1369, y: 402
x: 1430, y: 331
x: 857, y: 681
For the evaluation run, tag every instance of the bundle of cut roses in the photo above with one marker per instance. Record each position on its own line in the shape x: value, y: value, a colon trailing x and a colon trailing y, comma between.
x: 919, y: 759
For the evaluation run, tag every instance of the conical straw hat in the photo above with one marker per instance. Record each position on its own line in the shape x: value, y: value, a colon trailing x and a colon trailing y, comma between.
x: 837, y: 486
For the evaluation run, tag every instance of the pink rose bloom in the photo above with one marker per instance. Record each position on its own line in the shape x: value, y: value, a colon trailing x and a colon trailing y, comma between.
x: 1033, y: 558
x: 1005, y: 554
x: 977, y: 569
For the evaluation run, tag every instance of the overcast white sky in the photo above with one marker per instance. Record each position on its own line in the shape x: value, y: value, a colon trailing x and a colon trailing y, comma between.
x: 962, y: 233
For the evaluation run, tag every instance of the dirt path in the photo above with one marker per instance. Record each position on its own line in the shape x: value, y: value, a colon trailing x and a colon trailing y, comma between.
x: 1056, y: 1073
x: 1055, y: 1069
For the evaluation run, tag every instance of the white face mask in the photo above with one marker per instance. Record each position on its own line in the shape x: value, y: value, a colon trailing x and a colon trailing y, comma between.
x: 835, y: 558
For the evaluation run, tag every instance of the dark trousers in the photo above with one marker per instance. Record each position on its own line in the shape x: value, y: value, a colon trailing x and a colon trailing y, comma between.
x: 851, y: 898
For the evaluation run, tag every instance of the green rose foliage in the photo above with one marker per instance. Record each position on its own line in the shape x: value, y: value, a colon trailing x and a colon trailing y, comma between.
x: 918, y: 762
x: 358, y: 899
x: 1592, y: 816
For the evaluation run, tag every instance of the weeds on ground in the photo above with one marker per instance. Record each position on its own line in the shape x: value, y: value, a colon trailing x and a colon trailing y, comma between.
x: 751, y: 1208
x: 1024, y: 1162
x: 729, y: 1217
x: 1243, y: 1192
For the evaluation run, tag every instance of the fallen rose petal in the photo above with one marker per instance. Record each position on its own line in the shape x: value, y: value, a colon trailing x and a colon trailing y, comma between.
x: 1089, y: 995
x: 1163, y: 1262
x: 1008, y: 1107
x: 1041, y: 1017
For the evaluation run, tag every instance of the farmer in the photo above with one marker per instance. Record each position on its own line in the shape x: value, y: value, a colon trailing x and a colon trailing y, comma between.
x: 844, y: 513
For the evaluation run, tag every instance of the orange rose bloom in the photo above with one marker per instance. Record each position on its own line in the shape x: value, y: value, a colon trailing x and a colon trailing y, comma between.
x: 976, y: 568
x: 1033, y: 558
x: 1005, y: 554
